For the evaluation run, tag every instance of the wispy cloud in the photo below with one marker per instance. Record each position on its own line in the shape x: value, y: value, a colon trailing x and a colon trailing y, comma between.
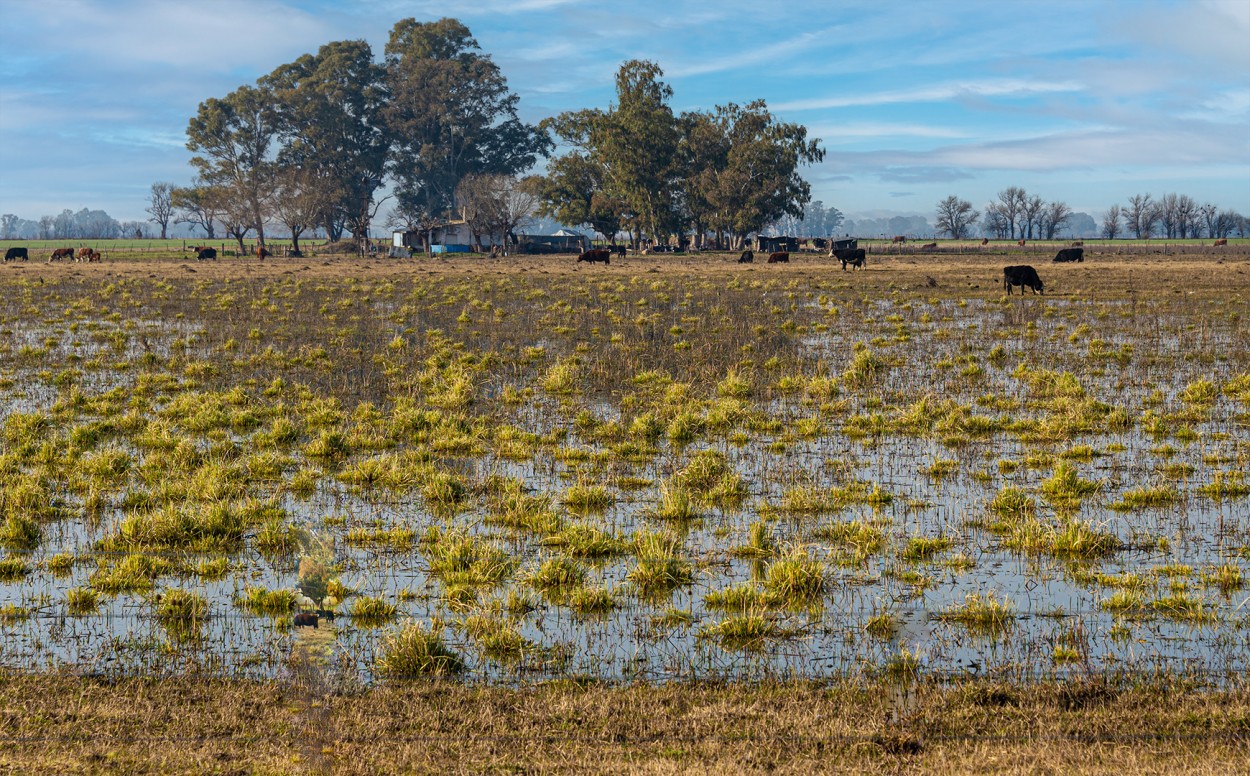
x: 1003, y: 87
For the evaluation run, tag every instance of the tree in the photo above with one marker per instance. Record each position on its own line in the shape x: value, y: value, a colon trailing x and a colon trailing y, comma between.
x: 327, y: 111
x: 1141, y: 216
x: 955, y: 217
x: 8, y: 226
x: 199, y: 205
x: 1010, y: 207
x: 300, y: 199
x: 1209, y: 215
x: 996, y: 222
x: 234, y: 135
x: 1054, y: 215
x: 1111, y: 223
x: 573, y: 193
x: 161, y: 208
x: 514, y: 204
x: 1031, y: 210
x: 451, y: 114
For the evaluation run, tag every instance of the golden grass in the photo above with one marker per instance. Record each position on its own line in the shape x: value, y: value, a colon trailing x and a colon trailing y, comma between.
x: 64, y: 724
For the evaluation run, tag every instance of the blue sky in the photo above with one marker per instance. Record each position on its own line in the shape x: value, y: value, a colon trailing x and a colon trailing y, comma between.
x: 1087, y: 102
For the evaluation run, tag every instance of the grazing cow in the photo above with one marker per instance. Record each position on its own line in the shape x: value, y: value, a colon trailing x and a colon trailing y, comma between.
x: 262, y: 252
x: 1020, y: 243
x: 747, y: 257
x: 898, y: 238
x: 617, y: 251
x: 204, y: 253
x: 1078, y: 244
x: 1220, y: 242
x: 985, y: 241
x: 93, y: 256
x: 61, y: 253
x: 305, y: 620
x: 1022, y: 275
x: 856, y: 257
x: 780, y: 257
x: 596, y: 254
x: 83, y: 253
x: 1070, y: 254
x: 929, y: 247
x: 16, y: 253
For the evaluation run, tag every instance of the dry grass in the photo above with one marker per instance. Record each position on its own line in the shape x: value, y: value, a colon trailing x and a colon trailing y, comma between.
x: 61, y: 724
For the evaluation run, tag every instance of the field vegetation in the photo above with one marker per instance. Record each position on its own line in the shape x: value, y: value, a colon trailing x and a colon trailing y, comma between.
x: 674, y: 471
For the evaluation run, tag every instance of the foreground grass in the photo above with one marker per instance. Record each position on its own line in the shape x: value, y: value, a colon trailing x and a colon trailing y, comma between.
x: 62, y: 724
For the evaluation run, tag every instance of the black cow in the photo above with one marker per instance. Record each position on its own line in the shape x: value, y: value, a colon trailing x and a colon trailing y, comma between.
x: 306, y: 619
x: 617, y: 250
x: 1070, y: 254
x: 856, y: 257
x: 780, y: 257
x: 204, y: 253
x: 1022, y: 275
x: 747, y: 257
x: 17, y: 253
x: 596, y: 254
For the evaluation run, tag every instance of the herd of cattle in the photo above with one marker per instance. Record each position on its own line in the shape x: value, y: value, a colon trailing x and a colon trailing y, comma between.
x: 70, y: 254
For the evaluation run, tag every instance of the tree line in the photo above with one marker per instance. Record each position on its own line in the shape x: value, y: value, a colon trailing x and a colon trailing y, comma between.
x: 85, y: 224
x: 1014, y: 213
x: 311, y: 146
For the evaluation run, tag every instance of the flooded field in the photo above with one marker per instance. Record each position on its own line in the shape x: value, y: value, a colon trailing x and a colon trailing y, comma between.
x: 662, y: 469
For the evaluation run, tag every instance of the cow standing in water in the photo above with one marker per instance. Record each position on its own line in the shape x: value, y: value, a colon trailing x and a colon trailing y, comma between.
x: 1024, y: 276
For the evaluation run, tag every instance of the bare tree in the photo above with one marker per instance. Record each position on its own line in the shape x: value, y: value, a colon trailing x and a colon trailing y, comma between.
x: 1030, y: 215
x: 300, y: 200
x: 162, y: 207
x: 1229, y: 221
x: 1011, y: 202
x: 996, y: 222
x: 1111, y: 222
x: 956, y: 216
x: 516, y: 203
x: 1209, y: 214
x: 1141, y: 215
x: 200, y: 205
x: 1052, y: 219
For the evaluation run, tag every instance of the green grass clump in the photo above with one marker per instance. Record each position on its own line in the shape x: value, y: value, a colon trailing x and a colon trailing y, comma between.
x: 133, y: 574
x: 1142, y: 498
x: 588, y: 498
x: 1184, y: 607
x: 760, y: 542
x: 584, y: 541
x: 981, y: 614
x: 260, y: 601
x: 1013, y: 503
x: 589, y: 601
x: 414, y: 651
x: 661, y: 567
x: 676, y: 504
x: 796, y: 580
x: 371, y: 612
x: 742, y: 597
x: 752, y: 631
x: 181, y: 607
x: 556, y: 576
x: 13, y: 568
x: 1226, y: 485
x: 1065, y: 488
x: 923, y: 548
x: 81, y: 601
x: 497, y: 637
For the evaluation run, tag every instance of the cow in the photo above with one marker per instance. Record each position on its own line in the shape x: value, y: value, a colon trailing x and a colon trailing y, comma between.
x: 617, y: 250
x: 898, y: 238
x: 856, y: 257
x: 93, y: 256
x: 929, y: 247
x: 1220, y: 242
x: 1078, y: 244
x: 83, y: 253
x: 1020, y: 243
x: 17, y: 253
x: 306, y: 619
x: 1070, y: 254
x: 779, y: 257
x: 596, y: 254
x: 747, y: 257
x: 205, y: 253
x: 985, y: 241
x: 262, y: 252
x: 61, y: 253
x: 1022, y: 275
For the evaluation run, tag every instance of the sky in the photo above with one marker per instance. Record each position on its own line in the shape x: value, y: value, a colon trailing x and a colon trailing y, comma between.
x: 1082, y: 101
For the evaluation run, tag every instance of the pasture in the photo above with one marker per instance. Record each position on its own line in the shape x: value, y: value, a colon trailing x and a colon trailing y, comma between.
x: 674, y: 471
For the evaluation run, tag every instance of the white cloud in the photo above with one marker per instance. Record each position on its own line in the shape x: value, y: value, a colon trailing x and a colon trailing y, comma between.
x: 1002, y: 87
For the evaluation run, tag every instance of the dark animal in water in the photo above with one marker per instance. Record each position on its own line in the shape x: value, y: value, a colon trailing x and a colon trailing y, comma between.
x: 305, y: 620
x: 1022, y: 275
